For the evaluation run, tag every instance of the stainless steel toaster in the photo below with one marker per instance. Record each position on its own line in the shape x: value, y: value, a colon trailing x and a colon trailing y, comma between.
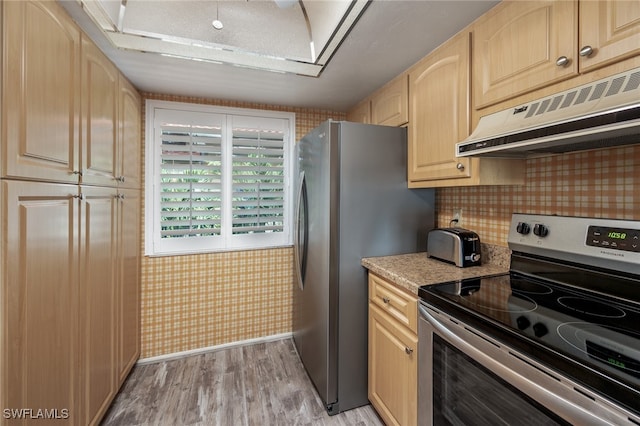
x: 454, y: 245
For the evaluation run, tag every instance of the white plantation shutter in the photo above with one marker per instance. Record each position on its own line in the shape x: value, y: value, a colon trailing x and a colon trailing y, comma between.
x: 190, y: 181
x: 220, y: 180
x: 258, y: 176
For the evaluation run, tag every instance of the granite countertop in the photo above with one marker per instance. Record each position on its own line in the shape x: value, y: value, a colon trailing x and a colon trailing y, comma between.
x: 411, y: 271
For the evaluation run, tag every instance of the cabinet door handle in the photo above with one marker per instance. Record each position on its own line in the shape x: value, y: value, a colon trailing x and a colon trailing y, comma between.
x: 78, y: 197
x: 562, y: 61
x: 586, y: 51
x: 460, y: 166
x: 386, y: 300
x: 408, y: 350
x: 77, y: 172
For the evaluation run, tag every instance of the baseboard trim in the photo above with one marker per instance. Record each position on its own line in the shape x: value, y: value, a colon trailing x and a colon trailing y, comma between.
x: 178, y: 355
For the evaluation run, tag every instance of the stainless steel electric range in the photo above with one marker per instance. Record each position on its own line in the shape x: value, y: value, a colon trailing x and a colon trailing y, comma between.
x: 554, y: 341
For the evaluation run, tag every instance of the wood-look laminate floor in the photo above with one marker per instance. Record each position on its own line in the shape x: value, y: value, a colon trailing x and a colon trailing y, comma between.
x: 261, y: 384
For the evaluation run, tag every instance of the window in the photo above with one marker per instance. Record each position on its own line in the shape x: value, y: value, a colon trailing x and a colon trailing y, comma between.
x: 217, y: 178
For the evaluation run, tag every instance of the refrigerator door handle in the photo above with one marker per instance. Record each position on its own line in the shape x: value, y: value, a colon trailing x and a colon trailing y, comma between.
x: 301, y: 231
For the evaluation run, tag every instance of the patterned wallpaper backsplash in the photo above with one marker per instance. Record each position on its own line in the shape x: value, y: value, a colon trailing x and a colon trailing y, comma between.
x: 600, y: 183
x: 197, y: 301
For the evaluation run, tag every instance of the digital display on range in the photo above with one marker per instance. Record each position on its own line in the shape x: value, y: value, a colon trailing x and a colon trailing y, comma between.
x: 617, y: 235
x: 614, y: 358
x: 614, y: 238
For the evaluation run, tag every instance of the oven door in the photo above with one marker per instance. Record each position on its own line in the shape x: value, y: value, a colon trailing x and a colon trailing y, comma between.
x: 466, y: 377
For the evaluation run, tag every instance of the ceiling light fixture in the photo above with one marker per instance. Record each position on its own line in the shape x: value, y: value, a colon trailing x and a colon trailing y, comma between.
x: 217, y: 24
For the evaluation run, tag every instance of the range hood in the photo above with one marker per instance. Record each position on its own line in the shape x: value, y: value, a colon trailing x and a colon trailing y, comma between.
x: 604, y: 113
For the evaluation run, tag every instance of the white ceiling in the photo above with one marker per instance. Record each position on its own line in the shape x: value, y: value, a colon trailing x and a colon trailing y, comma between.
x: 389, y: 37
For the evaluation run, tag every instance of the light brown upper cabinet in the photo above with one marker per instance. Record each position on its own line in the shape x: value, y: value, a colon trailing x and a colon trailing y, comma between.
x: 390, y: 104
x: 609, y: 32
x: 40, y: 110
x: 129, y: 142
x: 439, y: 113
x: 99, y: 117
x: 521, y: 46
x: 57, y: 82
x: 360, y: 113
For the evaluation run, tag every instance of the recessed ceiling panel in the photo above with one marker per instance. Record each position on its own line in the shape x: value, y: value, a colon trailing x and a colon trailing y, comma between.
x: 387, y: 39
x: 264, y: 34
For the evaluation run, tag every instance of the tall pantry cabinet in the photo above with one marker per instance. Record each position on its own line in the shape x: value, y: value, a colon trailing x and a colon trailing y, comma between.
x: 70, y: 217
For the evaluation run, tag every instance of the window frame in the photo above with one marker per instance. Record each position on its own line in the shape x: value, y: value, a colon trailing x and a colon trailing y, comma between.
x: 226, y: 241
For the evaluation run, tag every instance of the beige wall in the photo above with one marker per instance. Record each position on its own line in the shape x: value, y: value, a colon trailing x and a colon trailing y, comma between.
x: 195, y: 301
x: 601, y: 183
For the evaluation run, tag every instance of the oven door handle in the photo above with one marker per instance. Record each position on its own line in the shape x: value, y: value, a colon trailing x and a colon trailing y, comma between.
x: 558, y: 404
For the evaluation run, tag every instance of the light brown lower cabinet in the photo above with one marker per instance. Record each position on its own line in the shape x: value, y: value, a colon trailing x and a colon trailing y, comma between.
x: 393, y: 353
x: 40, y: 348
x: 97, y: 298
x: 68, y: 340
x: 128, y: 279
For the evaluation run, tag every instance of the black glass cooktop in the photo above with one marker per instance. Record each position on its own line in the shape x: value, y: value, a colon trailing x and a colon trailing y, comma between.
x: 590, y: 337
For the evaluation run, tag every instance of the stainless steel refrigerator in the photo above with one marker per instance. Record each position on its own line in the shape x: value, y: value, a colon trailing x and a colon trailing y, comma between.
x: 352, y: 202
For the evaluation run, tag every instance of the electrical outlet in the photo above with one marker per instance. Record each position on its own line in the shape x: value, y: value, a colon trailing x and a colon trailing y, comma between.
x: 456, y: 220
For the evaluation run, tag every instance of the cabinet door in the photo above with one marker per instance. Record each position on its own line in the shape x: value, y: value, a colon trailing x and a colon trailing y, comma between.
x: 40, y: 110
x: 128, y: 281
x: 439, y: 112
x: 97, y: 298
x: 390, y: 105
x: 39, y: 299
x: 393, y: 369
x: 99, y: 117
x: 611, y: 29
x: 129, y: 146
x: 517, y: 45
x: 361, y: 113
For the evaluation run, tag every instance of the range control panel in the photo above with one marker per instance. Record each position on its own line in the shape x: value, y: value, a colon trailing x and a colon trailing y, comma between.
x: 606, y: 243
x: 614, y: 238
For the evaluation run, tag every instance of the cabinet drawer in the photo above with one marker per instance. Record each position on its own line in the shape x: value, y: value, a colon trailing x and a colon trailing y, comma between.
x: 400, y: 305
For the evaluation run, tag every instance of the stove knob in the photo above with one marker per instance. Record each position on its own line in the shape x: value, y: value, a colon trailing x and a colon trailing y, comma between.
x: 522, y: 322
x: 540, y: 230
x: 539, y: 329
x: 523, y: 228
